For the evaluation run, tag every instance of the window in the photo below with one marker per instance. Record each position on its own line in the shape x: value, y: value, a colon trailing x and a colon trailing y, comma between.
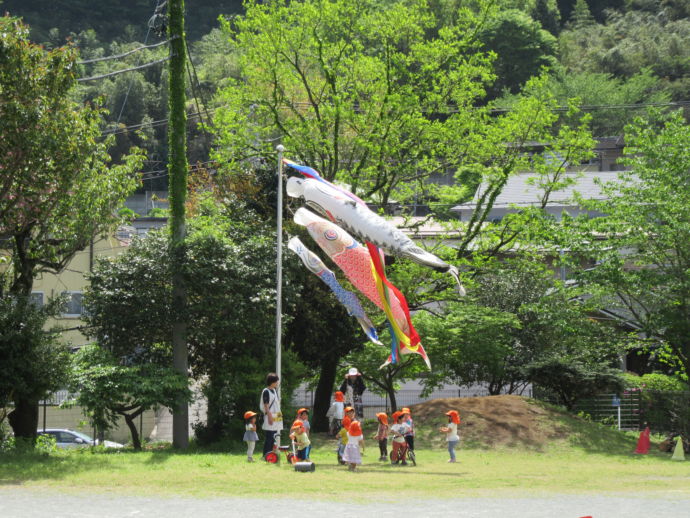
x: 37, y: 298
x: 73, y: 307
x: 66, y: 437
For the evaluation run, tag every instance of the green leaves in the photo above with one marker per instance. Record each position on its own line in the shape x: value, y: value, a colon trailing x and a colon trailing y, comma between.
x: 349, y: 87
x: 643, y: 264
x: 32, y: 361
x: 110, y: 389
x: 58, y: 189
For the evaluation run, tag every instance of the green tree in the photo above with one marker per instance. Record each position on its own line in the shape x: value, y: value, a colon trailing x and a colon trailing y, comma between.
x: 58, y: 190
x: 628, y: 43
x: 571, y: 380
x: 522, y: 47
x: 643, y: 262
x: 546, y: 13
x: 229, y: 271
x: 383, y: 380
x: 383, y: 97
x: 473, y: 344
x: 109, y: 389
x: 581, y: 15
x: 33, y: 361
x: 609, y: 100
x: 347, y: 87
x: 517, y: 316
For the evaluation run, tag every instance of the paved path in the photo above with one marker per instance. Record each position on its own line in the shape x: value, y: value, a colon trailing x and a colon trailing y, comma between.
x: 30, y: 503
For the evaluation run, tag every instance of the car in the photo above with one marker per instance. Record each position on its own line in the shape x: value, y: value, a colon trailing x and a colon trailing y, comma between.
x: 68, y: 439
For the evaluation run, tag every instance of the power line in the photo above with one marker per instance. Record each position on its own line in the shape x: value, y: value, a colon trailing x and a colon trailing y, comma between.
x: 198, y: 83
x: 118, y: 56
x: 149, y: 25
x: 145, y: 65
x: 163, y: 122
x: 595, y: 107
x: 196, y: 167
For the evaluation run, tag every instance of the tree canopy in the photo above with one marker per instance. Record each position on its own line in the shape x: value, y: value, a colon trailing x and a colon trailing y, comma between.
x: 58, y: 188
x: 643, y: 264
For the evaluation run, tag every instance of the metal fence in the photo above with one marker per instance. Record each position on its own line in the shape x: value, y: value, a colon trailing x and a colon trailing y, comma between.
x: 621, y: 410
x: 664, y: 412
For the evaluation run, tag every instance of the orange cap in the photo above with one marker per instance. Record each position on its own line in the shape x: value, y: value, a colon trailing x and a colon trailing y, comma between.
x: 355, y: 429
x: 382, y: 417
x: 249, y: 414
x: 454, y: 416
x: 297, y: 424
x: 406, y: 410
x: 339, y: 396
x: 349, y: 409
x: 302, y: 410
x: 395, y: 415
x: 346, y: 422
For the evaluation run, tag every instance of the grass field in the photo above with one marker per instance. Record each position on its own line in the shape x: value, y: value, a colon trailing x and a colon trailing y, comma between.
x: 479, y: 472
x: 510, y: 446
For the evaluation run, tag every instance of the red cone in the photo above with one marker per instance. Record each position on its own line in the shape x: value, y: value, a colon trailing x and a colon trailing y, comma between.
x: 643, y: 442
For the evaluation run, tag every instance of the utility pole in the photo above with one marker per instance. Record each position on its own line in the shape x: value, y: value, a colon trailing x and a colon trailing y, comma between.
x: 177, y: 187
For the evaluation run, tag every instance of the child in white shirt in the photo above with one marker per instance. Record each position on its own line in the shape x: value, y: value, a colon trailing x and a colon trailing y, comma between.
x: 399, y: 445
x: 451, y: 432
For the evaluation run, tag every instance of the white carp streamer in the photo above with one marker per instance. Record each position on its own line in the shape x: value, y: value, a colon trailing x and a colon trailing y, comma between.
x: 356, y: 217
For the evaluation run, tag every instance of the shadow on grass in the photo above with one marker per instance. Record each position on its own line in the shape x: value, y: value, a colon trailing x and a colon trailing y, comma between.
x: 17, y: 468
x: 590, y: 436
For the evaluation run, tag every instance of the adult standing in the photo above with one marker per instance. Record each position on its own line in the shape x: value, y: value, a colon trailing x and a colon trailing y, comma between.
x: 353, y: 388
x: 273, y: 417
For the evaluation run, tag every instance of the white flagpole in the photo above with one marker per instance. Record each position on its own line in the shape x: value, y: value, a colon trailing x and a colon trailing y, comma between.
x: 279, y: 266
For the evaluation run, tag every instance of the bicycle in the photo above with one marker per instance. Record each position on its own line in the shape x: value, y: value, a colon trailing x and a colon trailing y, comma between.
x: 407, y: 455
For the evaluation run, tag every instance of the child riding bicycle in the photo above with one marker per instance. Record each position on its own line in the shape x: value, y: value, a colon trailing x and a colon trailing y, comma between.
x: 399, y: 429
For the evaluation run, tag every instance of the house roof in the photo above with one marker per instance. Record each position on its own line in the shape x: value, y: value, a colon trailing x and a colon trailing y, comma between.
x: 518, y: 190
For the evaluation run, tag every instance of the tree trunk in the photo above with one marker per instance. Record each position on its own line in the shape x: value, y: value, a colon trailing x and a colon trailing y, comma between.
x: 322, y: 397
x: 394, y: 402
x: 495, y: 387
x: 24, y: 419
x: 215, y: 413
x: 129, y: 419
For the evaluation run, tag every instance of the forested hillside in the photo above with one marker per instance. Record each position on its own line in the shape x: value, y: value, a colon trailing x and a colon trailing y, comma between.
x: 122, y: 20
x: 616, y: 57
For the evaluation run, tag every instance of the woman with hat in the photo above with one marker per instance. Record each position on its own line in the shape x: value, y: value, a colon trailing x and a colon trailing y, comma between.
x: 353, y: 388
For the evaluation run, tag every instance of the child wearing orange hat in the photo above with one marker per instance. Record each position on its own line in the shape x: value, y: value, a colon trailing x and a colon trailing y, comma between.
x: 299, y: 434
x: 336, y: 413
x: 342, y: 434
x: 409, y: 436
x: 250, y: 436
x: 355, y: 441
x: 382, y: 435
x: 451, y: 432
x: 399, y: 429
x: 303, y: 415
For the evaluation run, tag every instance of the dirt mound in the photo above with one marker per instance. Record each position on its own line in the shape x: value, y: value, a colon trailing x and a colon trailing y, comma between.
x: 493, y: 420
